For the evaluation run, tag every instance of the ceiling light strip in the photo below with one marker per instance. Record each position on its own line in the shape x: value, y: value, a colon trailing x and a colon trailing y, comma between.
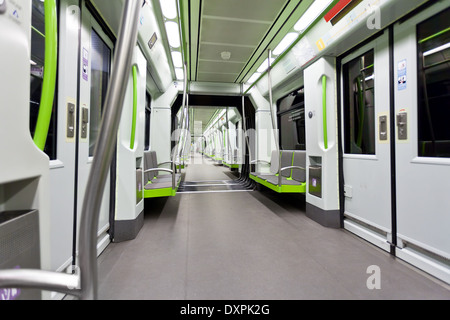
x: 259, y: 47
x: 279, y: 58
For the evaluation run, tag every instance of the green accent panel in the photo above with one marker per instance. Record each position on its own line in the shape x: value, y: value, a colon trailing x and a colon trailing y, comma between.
x: 157, y: 193
x: 434, y: 35
x: 280, y: 189
x: 133, y: 119
x: 324, y: 109
x: 163, y: 192
x: 194, y: 24
x: 232, y: 166
x: 49, y: 81
x: 280, y: 57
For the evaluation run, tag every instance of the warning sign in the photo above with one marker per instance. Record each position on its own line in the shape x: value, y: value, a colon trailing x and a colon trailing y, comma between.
x: 402, y: 78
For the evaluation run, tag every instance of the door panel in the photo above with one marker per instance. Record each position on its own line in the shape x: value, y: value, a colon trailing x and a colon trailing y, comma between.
x: 95, y: 66
x: 60, y: 142
x: 366, y: 159
x: 423, y: 154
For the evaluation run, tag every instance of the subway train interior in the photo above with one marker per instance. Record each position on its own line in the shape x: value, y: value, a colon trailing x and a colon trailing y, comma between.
x: 224, y: 150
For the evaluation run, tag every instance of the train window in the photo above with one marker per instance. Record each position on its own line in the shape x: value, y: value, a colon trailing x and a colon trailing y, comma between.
x: 100, y: 70
x: 359, y: 102
x: 291, y: 121
x: 148, y: 111
x: 36, y: 79
x: 434, y: 86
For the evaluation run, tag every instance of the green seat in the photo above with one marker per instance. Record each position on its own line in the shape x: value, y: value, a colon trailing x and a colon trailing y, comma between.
x: 157, y: 184
x: 292, y: 178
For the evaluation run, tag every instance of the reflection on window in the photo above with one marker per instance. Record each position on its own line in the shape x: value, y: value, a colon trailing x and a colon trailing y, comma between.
x: 100, y: 69
x: 291, y: 121
x: 36, y: 79
x: 434, y: 86
x: 359, y: 102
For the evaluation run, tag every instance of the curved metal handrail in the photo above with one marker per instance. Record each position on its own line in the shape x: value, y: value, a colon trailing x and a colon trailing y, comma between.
x: 49, y: 81
x: 68, y: 283
x: 104, y: 148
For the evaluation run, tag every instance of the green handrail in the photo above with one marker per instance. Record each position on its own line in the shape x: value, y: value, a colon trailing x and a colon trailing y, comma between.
x: 434, y: 35
x: 324, y: 108
x: 49, y: 81
x: 133, y: 123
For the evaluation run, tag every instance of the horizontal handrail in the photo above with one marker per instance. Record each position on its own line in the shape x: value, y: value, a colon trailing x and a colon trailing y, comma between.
x: 256, y: 161
x: 158, y: 169
x: 44, y: 280
x: 166, y: 170
x: 292, y: 167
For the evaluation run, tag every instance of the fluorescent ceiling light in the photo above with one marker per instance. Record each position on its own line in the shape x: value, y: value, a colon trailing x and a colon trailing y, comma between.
x: 313, y: 12
x: 264, y: 66
x: 372, y: 77
x: 436, y: 50
x: 169, y: 8
x: 254, y: 77
x: 285, y: 43
x: 177, y: 59
x: 179, y: 73
x: 33, y: 63
x: 173, y: 34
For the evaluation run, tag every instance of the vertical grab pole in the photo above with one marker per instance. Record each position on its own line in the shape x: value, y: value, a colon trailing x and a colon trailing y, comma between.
x: 178, y: 149
x: 274, y: 125
x: 104, y: 149
x: 244, y: 125
x: 228, y: 137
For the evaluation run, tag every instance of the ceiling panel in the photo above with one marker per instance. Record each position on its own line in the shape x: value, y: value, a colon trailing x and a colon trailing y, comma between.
x: 219, y: 67
x: 232, y: 32
x: 245, y: 28
x: 213, y: 51
x: 216, y: 77
x: 263, y: 10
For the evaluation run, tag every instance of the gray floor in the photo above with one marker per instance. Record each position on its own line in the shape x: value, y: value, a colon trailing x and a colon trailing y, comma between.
x: 249, y: 245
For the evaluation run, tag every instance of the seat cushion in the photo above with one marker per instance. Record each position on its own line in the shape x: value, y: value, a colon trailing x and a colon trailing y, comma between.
x: 299, y: 161
x: 284, y: 181
x: 149, y: 164
x: 263, y: 175
x: 158, y: 185
x: 286, y: 161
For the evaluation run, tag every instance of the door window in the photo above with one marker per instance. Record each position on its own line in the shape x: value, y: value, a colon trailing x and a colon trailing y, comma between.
x: 359, y: 104
x: 100, y: 71
x: 37, y: 73
x: 148, y: 112
x: 434, y: 86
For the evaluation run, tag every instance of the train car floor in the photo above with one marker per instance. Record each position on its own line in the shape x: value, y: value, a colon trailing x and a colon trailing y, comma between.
x: 200, y: 172
x: 250, y: 246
